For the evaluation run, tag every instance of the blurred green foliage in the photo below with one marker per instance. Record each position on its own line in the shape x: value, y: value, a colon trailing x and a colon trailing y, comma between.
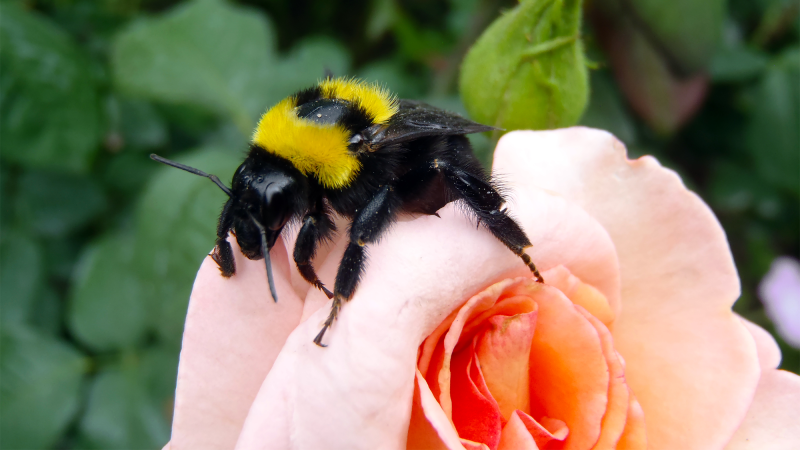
x: 100, y: 245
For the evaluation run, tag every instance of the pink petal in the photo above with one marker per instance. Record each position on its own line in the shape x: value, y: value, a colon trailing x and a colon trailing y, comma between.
x: 563, y: 234
x: 429, y: 427
x: 580, y: 293
x: 470, y: 445
x: 377, y: 334
x: 771, y: 422
x: 233, y: 334
x: 504, y: 353
x: 634, y: 436
x: 569, y: 374
x: 548, y: 433
x: 476, y: 414
x: 682, y: 344
x: 523, y: 432
x: 615, y: 418
x: 502, y: 298
x: 769, y: 354
x: 516, y: 436
x: 417, y: 275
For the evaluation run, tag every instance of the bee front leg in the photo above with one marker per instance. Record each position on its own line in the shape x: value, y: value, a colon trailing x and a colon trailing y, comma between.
x: 367, y: 227
x: 223, y: 254
x: 317, y: 226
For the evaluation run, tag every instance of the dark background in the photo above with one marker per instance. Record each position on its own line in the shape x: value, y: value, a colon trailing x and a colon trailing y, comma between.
x: 100, y: 245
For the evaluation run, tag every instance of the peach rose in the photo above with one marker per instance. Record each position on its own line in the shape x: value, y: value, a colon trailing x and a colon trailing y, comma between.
x: 448, y: 343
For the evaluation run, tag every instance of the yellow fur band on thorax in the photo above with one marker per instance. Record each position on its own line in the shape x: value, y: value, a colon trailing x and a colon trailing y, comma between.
x: 321, y: 150
x: 378, y: 102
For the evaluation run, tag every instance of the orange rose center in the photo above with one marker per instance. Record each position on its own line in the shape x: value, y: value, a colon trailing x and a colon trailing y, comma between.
x: 524, y: 365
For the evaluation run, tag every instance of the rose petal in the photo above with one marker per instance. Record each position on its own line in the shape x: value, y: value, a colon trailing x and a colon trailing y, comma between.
x: 569, y: 374
x: 682, y: 343
x: 516, y: 436
x: 429, y: 427
x: 503, y: 351
x: 556, y: 428
x: 634, y: 437
x: 522, y: 431
x: 476, y: 414
x: 580, y: 293
x: 614, y: 420
x: 233, y: 334
x: 469, y: 445
x: 379, y: 331
x: 769, y: 354
x: 771, y: 422
x: 365, y: 402
x: 564, y: 234
x: 471, y: 316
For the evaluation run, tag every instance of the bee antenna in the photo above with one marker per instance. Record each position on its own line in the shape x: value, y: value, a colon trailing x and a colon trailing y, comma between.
x: 265, y: 251
x: 177, y: 165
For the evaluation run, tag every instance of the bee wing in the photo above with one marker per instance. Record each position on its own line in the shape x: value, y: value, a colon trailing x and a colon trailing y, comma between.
x: 416, y: 119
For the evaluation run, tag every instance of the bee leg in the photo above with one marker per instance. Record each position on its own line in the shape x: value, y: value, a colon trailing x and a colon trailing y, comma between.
x: 223, y: 254
x: 481, y: 197
x: 367, y: 227
x: 317, y: 226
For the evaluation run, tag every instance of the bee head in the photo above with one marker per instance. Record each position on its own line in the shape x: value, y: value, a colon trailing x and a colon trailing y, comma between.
x: 268, y: 193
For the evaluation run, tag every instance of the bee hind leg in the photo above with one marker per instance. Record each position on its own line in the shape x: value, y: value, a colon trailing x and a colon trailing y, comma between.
x: 489, y: 205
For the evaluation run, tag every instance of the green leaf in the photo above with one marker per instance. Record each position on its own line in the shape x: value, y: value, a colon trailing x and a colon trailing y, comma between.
x: 737, y: 64
x: 159, y: 369
x: 49, y: 110
x: 127, y: 172
x: 205, y: 52
x: 772, y: 134
x: 140, y: 125
x: 527, y: 70
x: 108, y: 308
x: 122, y: 414
x: 21, y: 275
x: 55, y: 204
x: 48, y: 307
x: 62, y: 255
x: 176, y: 228
x: 41, y: 386
x: 7, y: 182
x: 734, y: 189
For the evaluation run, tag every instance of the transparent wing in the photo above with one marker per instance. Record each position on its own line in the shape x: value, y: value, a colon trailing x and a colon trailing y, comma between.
x: 415, y: 120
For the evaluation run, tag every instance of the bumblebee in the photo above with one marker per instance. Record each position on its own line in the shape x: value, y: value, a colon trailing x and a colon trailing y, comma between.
x: 352, y: 148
